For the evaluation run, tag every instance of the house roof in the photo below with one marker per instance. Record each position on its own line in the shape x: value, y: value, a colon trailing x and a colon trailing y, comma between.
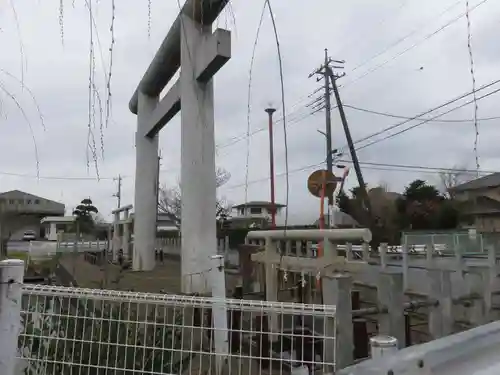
x: 259, y: 204
x: 491, y: 180
x: 339, y: 218
x: 13, y: 194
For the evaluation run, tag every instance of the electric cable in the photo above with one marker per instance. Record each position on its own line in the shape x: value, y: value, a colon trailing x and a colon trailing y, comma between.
x: 426, y: 121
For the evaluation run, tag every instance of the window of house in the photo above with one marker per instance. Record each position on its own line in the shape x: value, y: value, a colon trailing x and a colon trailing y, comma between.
x: 241, y: 211
x: 28, y: 201
x: 37, y: 201
x: 12, y: 201
x: 255, y: 210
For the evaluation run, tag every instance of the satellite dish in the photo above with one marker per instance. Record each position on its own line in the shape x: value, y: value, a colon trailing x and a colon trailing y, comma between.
x: 319, y: 178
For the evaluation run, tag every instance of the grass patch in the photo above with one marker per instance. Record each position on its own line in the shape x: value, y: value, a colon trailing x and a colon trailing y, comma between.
x: 18, y: 255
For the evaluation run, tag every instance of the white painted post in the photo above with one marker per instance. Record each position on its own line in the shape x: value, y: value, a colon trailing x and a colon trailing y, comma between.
x: 406, y: 265
x: 337, y: 292
x: 440, y: 317
x: 383, y: 255
x: 146, y: 179
x: 366, y: 251
x: 348, y: 251
x: 11, y: 280
x: 429, y: 253
x: 126, y: 236
x: 109, y: 242
x: 198, y: 187
x: 116, y: 239
x: 460, y: 266
x: 52, y: 232
x: 219, y: 311
x: 383, y: 346
x: 391, y: 296
x: 271, y: 283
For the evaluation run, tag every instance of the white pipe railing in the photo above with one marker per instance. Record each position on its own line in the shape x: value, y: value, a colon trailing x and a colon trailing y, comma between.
x: 361, y: 234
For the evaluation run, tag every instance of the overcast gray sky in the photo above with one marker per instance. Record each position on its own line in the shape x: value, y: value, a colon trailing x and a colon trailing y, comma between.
x: 435, y: 70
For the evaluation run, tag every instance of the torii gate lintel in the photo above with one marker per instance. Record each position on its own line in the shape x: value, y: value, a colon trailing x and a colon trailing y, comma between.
x: 168, y: 57
x: 214, y: 52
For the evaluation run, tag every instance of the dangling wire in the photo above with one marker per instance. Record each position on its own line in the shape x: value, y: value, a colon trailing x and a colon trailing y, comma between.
x: 473, y: 77
x: 285, y: 138
x: 249, y: 96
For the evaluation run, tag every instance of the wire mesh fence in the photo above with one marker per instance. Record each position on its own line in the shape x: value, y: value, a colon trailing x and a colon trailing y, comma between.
x: 93, y: 332
x: 449, y: 242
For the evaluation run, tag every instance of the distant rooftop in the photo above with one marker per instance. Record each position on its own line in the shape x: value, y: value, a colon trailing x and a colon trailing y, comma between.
x: 489, y: 181
x: 340, y: 219
x: 58, y: 219
x: 265, y: 204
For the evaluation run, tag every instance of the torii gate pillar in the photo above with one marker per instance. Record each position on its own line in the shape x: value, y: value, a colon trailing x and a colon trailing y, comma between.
x: 190, y: 45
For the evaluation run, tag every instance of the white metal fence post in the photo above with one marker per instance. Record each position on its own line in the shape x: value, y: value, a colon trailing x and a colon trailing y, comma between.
x: 219, y: 311
x: 11, y: 280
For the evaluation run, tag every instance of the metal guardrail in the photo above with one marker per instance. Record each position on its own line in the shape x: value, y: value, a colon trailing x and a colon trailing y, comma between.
x: 471, y: 352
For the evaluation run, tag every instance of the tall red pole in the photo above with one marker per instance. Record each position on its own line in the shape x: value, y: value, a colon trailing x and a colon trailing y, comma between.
x: 270, y: 112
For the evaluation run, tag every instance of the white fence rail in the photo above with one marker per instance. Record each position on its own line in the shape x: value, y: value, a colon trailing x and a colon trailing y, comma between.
x: 83, y: 331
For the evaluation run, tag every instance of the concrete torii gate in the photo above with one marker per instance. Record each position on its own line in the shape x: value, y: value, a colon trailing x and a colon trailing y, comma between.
x: 191, y: 46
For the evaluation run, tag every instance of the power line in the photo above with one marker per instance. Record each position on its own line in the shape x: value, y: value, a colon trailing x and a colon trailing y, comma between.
x: 420, y: 167
x: 418, y: 118
x: 249, y: 96
x: 425, y: 122
x: 236, y: 139
x: 370, y: 166
x: 385, y: 130
x: 426, y: 38
x: 355, y: 41
x: 60, y: 178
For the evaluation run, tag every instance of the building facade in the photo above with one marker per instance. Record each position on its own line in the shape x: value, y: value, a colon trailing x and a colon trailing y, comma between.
x: 20, y: 212
x: 479, y: 203
x: 254, y: 214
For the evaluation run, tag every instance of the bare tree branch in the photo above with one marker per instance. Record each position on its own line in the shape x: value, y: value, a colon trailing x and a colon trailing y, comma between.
x: 170, y: 204
x: 452, y: 178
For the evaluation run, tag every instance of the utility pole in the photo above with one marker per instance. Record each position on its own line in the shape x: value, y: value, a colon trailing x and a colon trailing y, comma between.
x: 323, y: 73
x: 118, y: 193
x: 328, y: 118
x: 350, y: 143
x: 270, y: 112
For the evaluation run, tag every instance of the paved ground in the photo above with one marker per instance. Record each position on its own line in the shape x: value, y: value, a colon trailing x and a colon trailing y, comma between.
x: 165, y: 278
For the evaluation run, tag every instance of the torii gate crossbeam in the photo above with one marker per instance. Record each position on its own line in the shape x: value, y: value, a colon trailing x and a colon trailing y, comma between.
x: 191, y: 46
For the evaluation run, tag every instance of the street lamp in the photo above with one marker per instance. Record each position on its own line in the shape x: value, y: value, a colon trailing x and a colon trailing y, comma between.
x: 335, y: 152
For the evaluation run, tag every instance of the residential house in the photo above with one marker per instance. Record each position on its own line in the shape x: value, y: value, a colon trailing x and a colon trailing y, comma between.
x: 254, y: 214
x: 479, y: 203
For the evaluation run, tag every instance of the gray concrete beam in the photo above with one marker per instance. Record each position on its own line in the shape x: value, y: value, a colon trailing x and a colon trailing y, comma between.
x: 168, y: 107
x: 168, y: 57
x: 215, y: 52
